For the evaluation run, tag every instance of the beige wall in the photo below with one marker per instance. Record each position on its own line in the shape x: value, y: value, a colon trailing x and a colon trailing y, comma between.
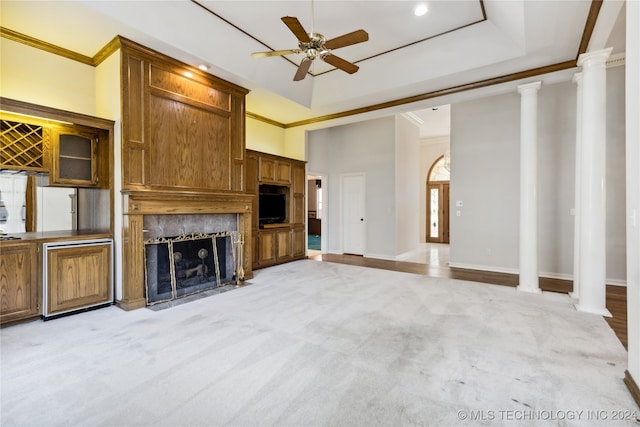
x: 32, y: 75
x: 264, y: 137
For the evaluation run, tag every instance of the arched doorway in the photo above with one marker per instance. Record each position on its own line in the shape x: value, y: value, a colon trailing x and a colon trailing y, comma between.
x: 438, y: 201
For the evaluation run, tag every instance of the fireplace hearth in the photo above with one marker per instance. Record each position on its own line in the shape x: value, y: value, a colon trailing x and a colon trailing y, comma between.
x: 178, y: 266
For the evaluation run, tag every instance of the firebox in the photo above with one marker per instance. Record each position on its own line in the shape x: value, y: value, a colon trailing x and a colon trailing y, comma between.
x: 182, y: 265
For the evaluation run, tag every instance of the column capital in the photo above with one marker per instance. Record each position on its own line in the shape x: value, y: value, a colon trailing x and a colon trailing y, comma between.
x: 593, y: 58
x: 529, y: 87
x: 577, y: 78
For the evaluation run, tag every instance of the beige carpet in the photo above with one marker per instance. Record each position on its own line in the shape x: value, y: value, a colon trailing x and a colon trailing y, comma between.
x: 320, y: 344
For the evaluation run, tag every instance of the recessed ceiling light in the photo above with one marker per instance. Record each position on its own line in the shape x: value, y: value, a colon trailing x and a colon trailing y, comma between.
x: 420, y: 10
x: 188, y: 74
x: 203, y: 67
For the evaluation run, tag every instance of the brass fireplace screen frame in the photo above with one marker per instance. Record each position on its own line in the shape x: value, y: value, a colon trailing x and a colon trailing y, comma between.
x: 237, y: 245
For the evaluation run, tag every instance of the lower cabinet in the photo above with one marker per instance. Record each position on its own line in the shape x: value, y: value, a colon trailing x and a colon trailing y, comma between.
x: 77, y: 276
x: 265, y: 248
x: 278, y: 245
x: 19, y: 284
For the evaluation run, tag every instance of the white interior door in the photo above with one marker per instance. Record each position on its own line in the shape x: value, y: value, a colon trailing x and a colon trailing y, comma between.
x: 353, y: 214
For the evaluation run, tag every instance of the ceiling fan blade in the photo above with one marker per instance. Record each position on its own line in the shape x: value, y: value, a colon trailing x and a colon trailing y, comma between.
x: 296, y: 28
x: 354, y: 37
x: 340, y: 63
x: 275, y: 53
x: 303, y: 69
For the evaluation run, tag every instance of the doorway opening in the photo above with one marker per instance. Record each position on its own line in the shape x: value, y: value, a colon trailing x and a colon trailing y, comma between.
x: 438, y: 201
x: 315, y: 214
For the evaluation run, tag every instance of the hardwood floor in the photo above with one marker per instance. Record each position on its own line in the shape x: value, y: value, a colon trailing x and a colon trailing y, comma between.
x: 616, y: 295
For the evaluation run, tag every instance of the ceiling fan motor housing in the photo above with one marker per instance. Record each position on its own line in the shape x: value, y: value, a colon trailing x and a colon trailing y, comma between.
x: 315, y: 47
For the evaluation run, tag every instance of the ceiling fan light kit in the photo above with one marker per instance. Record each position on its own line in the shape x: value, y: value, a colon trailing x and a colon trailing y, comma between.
x: 315, y: 45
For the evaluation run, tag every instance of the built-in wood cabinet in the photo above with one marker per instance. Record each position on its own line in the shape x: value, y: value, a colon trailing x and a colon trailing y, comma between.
x: 75, y: 161
x: 280, y: 242
x: 78, y: 276
x: 274, y: 171
x: 19, y: 284
x: 74, y: 155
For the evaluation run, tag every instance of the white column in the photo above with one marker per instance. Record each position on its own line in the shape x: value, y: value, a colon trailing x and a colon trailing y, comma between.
x: 592, y: 257
x: 529, y: 187
x: 577, y: 79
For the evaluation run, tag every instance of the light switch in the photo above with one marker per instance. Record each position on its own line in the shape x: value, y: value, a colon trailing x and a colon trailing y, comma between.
x: 458, y: 213
x: 458, y: 203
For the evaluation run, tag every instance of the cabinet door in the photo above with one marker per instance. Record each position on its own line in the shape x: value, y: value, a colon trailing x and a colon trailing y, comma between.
x: 75, y: 157
x: 298, y: 209
x: 18, y: 282
x: 267, y: 169
x: 283, y: 244
x: 299, y: 178
x: 266, y: 248
x: 283, y: 172
x: 78, y: 276
x: 298, y: 236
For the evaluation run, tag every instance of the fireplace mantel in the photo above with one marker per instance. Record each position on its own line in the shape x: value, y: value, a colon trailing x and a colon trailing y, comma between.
x: 168, y: 202
x: 137, y: 204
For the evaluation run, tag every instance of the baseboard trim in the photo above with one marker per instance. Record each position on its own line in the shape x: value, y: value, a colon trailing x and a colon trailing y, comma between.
x: 632, y: 386
x: 379, y: 256
x: 613, y: 282
x: 484, y: 268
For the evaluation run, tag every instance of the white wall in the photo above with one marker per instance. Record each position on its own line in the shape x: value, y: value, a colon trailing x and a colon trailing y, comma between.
x: 485, y: 178
x: 556, y: 178
x: 364, y: 147
x: 430, y: 150
x: 407, y: 185
x: 615, y: 176
x: 485, y: 138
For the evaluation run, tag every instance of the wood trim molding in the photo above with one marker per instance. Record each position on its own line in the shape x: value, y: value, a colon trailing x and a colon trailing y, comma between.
x: 448, y: 91
x: 42, y: 45
x: 106, y: 51
x: 632, y: 386
x: 267, y: 120
x: 43, y: 112
x: 589, y: 25
x: 113, y: 45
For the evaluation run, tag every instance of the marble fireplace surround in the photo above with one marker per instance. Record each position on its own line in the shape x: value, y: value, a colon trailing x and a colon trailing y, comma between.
x: 140, y: 204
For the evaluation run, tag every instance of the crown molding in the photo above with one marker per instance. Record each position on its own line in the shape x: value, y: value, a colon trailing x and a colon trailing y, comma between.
x: 42, y: 45
x: 442, y: 92
x: 114, y: 45
x: 94, y: 61
x: 267, y: 120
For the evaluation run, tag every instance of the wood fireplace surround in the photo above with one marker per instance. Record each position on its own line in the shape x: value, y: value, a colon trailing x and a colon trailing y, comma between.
x: 183, y: 153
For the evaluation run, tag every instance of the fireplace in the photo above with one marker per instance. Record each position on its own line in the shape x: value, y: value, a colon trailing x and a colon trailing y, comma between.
x: 171, y: 229
x: 190, y: 263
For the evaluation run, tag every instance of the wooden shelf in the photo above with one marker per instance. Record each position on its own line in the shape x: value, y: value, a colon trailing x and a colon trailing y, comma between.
x: 276, y: 225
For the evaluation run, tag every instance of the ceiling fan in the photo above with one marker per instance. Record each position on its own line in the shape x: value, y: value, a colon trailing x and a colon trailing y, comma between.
x: 314, y: 45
